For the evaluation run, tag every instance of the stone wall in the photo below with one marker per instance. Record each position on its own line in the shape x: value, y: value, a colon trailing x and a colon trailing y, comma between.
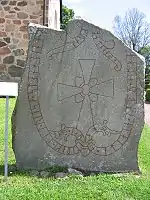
x: 14, y: 17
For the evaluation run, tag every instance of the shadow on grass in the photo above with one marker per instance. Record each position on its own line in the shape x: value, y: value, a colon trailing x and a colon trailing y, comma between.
x: 53, y: 170
x: 13, y: 171
x: 4, y: 97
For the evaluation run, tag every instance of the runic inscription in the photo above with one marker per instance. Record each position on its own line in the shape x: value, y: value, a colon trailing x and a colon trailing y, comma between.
x: 81, y: 92
x: 85, y: 91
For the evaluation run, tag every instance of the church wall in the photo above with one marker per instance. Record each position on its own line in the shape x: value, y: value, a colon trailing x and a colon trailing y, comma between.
x: 14, y: 18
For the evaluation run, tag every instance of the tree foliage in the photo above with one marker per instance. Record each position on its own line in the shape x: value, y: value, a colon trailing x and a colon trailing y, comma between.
x: 67, y: 14
x: 145, y: 51
x: 133, y: 29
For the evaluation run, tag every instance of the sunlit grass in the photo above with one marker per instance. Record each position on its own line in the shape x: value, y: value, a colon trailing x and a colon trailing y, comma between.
x: 102, y: 187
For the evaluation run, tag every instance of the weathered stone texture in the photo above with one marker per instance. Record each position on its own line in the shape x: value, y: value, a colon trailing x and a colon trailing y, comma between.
x: 3, y: 3
x: 21, y: 63
x: 22, y: 3
x: 14, y: 18
x: 12, y: 11
x: 82, y: 95
x: 22, y: 15
x: 12, y: 3
x: 2, y: 44
x: 15, y: 71
x: 18, y: 22
x: 7, y: 8
x: 2, y: 20
x: 16, y: 8
x: 19, y: 52
x: 3, y: 34
x: 8, y: 60
x: 10, y: 28
x: 23, y: 28
x: 25, y: 36
x: 4, y: 51
x: 2, y: 68
x: 11, y: 16
x: 7, y: 39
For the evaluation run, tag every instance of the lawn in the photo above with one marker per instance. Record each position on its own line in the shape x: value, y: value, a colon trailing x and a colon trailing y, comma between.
x: 101, y: 187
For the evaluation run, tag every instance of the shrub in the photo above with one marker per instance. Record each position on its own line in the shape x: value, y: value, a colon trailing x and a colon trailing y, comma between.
x: 147, y: 78
x: 147, y: 97
x: 147, y: 86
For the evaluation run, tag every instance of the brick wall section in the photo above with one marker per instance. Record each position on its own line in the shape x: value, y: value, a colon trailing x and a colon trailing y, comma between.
x: 14, y: 17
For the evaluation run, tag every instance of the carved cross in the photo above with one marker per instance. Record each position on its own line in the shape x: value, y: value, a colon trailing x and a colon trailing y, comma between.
x: 85, y: 91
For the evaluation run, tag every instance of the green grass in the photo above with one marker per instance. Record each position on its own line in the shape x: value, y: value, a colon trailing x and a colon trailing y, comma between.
x: 102, y: 187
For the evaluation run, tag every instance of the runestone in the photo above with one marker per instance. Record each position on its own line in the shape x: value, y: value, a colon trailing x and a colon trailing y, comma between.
x: 81, y: 101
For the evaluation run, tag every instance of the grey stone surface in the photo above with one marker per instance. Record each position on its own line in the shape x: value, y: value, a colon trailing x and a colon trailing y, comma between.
x: 61, y: 175
x: 34, y: 173
x: 75, y: 172
x: 4, y: 77
x: 19, y: 52
x: 44, y: 174
x: 15, y: 71
x: 20, y: 62
x: 8, y: 60
x: 80, y: 102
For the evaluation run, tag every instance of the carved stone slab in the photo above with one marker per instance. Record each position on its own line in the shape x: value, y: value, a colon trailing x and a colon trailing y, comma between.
x: 80, y: 102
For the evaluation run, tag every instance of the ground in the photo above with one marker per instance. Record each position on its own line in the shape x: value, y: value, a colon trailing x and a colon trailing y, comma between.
x: 101, y: 187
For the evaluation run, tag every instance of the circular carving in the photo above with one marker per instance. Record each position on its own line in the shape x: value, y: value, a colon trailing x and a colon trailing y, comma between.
x: 71, y: 140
